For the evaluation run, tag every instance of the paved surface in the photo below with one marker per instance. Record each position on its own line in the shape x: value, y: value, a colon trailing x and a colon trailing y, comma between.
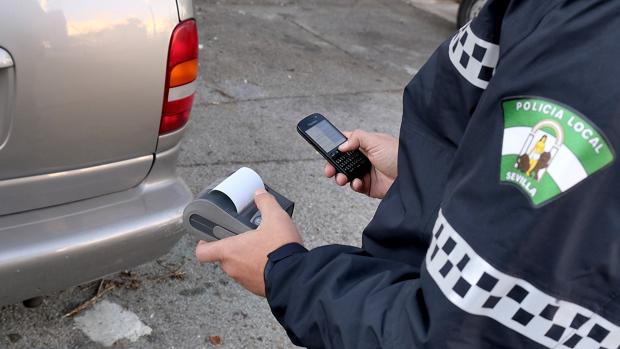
x: 446, y: 9
x: 265, y: 64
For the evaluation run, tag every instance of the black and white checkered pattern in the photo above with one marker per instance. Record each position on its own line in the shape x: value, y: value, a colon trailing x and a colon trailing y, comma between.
x: 473, y: 57
x: 476, y: 287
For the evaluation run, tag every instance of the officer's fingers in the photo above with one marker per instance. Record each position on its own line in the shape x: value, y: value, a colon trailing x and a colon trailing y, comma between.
x: 266, y: 203
x: 210, y: 251
x: 329, y: 170
x: 341, y: 179
x: 357, y: 185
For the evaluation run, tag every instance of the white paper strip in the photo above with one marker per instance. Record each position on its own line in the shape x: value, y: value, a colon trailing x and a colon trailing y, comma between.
x: 240, y: 187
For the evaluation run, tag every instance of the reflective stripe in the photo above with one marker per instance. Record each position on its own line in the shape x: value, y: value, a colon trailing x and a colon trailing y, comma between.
x: 476, y: 287
x: 474, y: 58
x: 182, y: 91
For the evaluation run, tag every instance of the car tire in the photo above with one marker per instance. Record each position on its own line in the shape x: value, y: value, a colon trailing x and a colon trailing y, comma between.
x: 468, y: 10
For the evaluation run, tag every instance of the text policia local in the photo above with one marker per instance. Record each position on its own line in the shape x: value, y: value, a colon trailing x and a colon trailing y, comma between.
x: 573, y: 122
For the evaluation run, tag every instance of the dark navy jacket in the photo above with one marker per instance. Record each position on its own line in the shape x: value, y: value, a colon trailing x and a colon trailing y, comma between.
x: 502, y: 229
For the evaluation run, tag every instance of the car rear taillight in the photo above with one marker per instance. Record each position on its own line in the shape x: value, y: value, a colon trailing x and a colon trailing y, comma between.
x: 181, y: 73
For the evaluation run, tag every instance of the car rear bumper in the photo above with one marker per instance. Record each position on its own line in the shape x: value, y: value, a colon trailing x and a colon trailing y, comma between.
x: 50, y: 249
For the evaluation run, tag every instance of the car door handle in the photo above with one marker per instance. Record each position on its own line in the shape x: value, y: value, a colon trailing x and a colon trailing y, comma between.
x: 5, y: 59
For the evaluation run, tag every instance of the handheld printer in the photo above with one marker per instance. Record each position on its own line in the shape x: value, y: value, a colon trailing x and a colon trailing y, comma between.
x: 226, y: 208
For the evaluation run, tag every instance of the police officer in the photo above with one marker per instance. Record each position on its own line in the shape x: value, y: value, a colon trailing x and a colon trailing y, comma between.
x: 487, y: 237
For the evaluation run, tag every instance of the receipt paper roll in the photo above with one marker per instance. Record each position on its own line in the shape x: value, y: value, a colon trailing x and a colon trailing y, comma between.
x: 240, y: 187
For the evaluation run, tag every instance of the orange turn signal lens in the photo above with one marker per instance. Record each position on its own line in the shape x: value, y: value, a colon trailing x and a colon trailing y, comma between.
x: 183, y: 73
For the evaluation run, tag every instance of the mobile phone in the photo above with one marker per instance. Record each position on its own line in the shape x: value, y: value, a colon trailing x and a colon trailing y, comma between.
x: 325, y: 138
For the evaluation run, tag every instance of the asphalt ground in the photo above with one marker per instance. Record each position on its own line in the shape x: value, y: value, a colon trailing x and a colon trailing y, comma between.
x: 264, y: 65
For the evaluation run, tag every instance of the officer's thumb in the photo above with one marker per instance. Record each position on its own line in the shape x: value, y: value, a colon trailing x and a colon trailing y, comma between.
x: 266, y: 203
x: 355, y: 141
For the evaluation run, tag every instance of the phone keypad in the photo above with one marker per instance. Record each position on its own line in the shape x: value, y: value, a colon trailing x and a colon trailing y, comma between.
x: 350, y: 162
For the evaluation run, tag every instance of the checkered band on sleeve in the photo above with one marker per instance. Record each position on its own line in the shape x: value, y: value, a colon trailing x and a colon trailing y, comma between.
x: 474, y: 58
x: 473, y: 285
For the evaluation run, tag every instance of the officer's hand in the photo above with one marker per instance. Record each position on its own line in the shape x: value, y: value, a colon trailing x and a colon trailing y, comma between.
x: 243, y: 257
x: 382, y: 151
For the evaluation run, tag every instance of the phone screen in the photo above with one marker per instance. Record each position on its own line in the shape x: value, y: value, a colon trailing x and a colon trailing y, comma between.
x: 326, y: 135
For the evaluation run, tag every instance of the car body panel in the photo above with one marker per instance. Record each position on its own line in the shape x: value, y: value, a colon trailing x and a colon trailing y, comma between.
x: 169, y: 140
x: 29, y: 193
x: 88, y: 239
x: 87, y: 89
x: 7, y: 94
x: 186, y: 9
x: 87, y: 185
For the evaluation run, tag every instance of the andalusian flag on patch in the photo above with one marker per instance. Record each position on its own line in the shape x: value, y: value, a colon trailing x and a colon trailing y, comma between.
x: 548, y: 148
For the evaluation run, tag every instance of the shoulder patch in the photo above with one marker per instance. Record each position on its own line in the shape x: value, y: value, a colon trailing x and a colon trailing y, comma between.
x: 549, y: 148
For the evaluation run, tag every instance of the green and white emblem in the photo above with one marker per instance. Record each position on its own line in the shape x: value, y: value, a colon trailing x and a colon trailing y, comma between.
x: 549, y: 148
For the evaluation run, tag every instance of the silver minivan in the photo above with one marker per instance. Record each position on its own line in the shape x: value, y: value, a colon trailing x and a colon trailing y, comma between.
x: 94, y: 98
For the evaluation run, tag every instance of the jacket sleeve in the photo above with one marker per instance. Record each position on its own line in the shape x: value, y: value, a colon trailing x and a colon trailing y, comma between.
x: 437, y: 108
x: 340, y: 297
x: 386, y: 295
x: 346, y: 297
